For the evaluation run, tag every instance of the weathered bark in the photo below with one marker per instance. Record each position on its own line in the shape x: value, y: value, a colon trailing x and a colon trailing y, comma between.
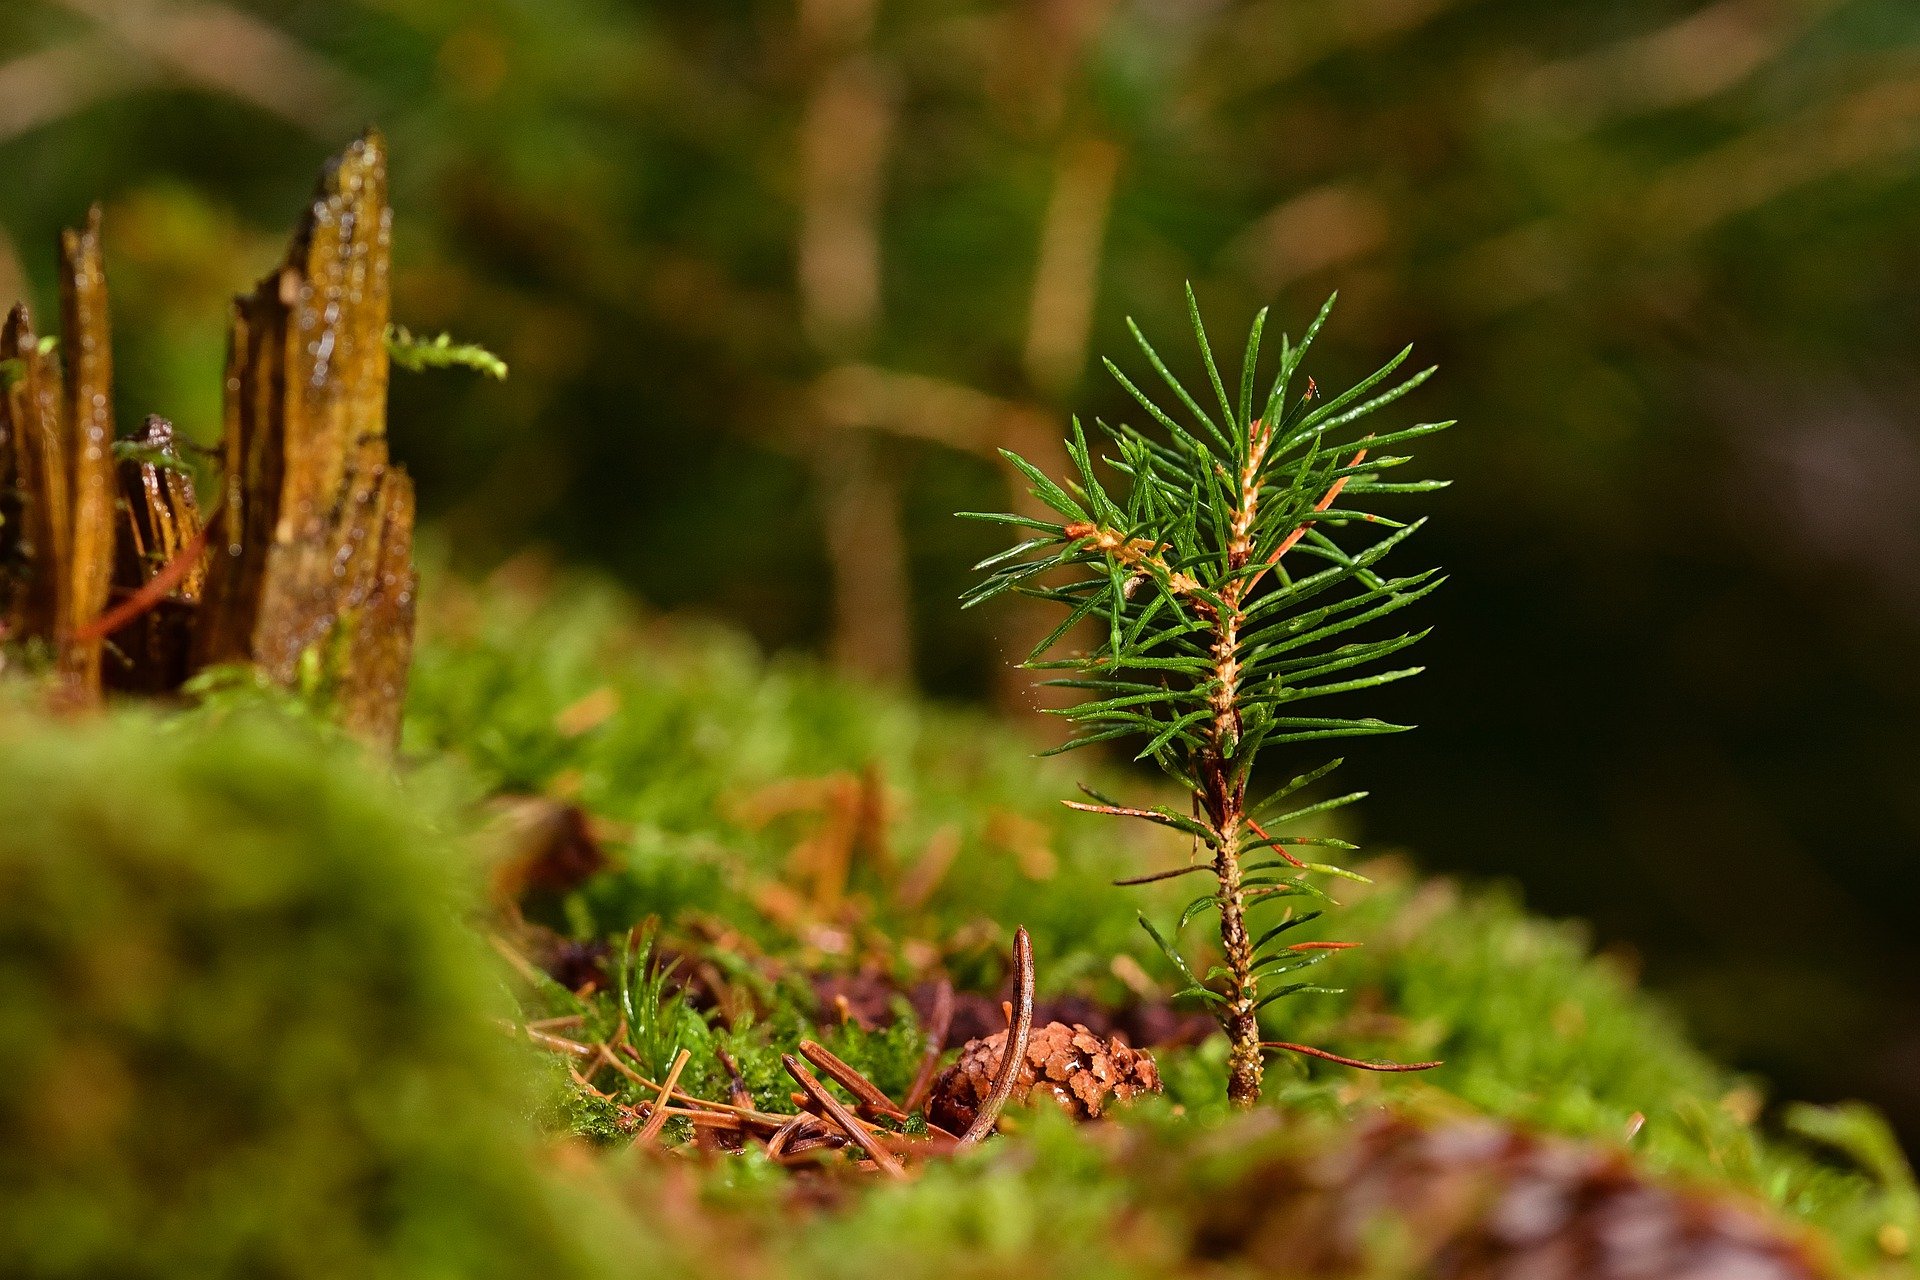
x: 58, y: 440
x: 39, y: 533
x: 86, y: 366
x: 311, y: 575
x: 153, y: 653
x: 1226, y: 798
x: 314, y: 573
x: 1245, y: 1063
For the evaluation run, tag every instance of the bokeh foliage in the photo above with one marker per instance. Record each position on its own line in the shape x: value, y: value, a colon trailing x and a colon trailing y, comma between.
x: 246, y: 1032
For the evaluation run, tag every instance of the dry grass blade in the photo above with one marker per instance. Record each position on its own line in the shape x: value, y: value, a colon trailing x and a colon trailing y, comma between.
x: 1019, y: 1032
x: 803, y: 1155
x: 937, y: 1034
x: 848, y: 1122
x: 719, y: 1121
x: 737, y: 1092
x: 813, y: 1142
x: 527, y: 969
x: 740, y: 1109
x: 556, y: 1024
x: 1364, y: 1064
x: 613, y: 1060
x: 658, y: 1118
x: 869, y: 1094
x: 560, y: 1044
x: 753, y: 1121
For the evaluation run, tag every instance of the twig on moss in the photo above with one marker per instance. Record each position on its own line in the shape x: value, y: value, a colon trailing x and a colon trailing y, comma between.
x: 777, y: 1144
x: 935, y: 1141
x: 937, y: 1034
x: 613, y: 1060
x: 555, y: 1024
x: 1019, y: 1031
x: 878, y: 1127
x: 559, y: 1044
x: 721, y: 1121
x: 643, y: 1082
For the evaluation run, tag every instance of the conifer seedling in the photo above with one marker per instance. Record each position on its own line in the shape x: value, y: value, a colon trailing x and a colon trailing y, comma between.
x: 1223, y: 585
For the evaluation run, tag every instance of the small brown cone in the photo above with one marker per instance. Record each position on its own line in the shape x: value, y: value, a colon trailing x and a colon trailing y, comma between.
x: 1082, y: 1072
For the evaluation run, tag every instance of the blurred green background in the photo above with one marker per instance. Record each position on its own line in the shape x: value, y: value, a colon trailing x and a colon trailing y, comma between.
x: 776, y: 279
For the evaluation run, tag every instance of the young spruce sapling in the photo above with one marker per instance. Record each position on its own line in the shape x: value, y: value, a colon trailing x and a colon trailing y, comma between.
x: 1223, y: 585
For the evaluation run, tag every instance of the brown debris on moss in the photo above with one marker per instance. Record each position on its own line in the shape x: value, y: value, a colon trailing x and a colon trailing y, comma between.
x: 1481, y: 1200
x: 1082, y: 1072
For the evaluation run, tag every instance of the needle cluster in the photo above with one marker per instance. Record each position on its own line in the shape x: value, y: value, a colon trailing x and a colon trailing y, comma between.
x: 1226, y: 578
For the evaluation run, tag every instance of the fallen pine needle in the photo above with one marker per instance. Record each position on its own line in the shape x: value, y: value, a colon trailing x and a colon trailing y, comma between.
x: 657, y: 1119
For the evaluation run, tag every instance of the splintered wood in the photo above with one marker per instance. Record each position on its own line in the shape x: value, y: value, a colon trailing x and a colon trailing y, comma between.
x: 58, y: 426
x: 162, y: 529
x: 316, y: 555
x: 303, y: 566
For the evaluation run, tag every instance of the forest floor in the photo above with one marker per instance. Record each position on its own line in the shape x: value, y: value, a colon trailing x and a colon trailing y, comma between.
x: 722, y: 881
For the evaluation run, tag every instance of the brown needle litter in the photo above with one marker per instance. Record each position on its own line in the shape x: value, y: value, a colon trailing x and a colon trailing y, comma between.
x: 848, y: 1122
x: 870, y: 1098
x: 937, y: 1033
x: 658, y: 1119
x: 875, y: 1126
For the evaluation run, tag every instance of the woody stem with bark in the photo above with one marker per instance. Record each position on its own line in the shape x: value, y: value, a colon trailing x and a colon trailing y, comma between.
x: 1225, y: 797
x: 1223, y: 785
x: 1244, y: 1062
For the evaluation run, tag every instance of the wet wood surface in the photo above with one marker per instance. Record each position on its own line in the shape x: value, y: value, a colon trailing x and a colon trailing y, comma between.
x: 303, y: 563
x: 160, y: 524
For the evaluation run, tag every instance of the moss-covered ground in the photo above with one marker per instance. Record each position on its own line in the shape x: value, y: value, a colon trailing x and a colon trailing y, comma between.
x: 223, y: 918
x: 688, y: 740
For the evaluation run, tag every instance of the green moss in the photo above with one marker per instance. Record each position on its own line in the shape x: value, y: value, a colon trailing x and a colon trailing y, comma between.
x: 249, y: 1032
x: 246, y: 1032
x: 1532, y: 1027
